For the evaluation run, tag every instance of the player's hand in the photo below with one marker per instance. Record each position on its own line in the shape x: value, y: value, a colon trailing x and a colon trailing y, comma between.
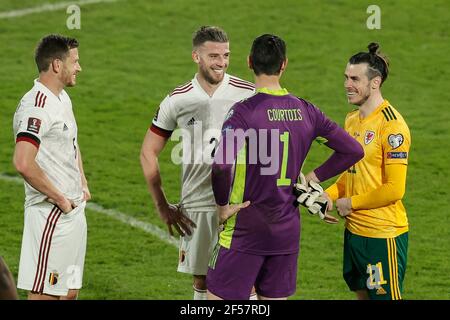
x: 65, y: 205
x: 86, y: 193
x: 320, y: 207
x: 229, y: 210
x: 344, y: 206
x: 306, y: 192
x: 174, y: 217
x: 330, y: 202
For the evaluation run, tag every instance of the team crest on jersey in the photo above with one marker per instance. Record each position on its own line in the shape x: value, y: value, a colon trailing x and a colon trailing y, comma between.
x: 34, y: 125
x: 368, y: 137
x: 53, y: 278
x: 395, y: 140
x: 182, y: 256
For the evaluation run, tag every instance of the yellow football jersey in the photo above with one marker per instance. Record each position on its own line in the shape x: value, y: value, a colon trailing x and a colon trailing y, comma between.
x: 386, y: 140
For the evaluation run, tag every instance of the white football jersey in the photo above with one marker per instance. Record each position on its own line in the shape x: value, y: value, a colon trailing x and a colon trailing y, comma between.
x: 199, y: 120
x: 47, y: 121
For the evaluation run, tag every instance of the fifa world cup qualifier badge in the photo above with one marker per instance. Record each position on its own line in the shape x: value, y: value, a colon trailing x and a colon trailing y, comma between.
x: 395, y: 140
x: 34, y: 125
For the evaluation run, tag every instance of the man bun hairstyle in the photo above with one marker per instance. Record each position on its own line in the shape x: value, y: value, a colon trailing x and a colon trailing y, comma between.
x: 53, y: 47
x: 208, y: 33
x: 378, y: 64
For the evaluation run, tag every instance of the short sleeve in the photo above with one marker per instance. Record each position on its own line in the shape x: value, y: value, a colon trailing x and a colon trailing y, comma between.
x: 164, y: 121
x: 396, y: 141
x: 32, y: 124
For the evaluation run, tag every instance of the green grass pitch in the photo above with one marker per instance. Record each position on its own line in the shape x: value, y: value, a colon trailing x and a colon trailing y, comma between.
x: 134, y: 52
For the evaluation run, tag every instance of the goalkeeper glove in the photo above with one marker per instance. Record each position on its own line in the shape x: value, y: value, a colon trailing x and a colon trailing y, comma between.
x: 300, y: 191
x: 319, y: 207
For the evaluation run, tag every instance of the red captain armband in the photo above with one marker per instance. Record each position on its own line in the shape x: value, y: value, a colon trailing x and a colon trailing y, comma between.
x: 28, y: 137
x: 160, y: 132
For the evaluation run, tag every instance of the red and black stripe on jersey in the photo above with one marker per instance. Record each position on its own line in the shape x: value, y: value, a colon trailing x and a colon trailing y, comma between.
x: 28, y: 137
x: 160, y: 131
x: 182, y: 89
x: 39, y: 100
x: 238, y: 83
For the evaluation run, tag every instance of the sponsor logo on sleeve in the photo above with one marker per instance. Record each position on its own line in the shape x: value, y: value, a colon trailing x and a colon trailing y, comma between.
x: 395, y: 140
x: 397, y: 155
x: 34, y: 125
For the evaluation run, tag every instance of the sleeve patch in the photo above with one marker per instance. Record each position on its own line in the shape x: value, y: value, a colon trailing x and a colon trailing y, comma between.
x: 395, y: 140
x: 34, y: 125
x: 397, y: 155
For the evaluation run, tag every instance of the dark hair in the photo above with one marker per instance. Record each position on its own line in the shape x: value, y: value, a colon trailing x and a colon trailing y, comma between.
x: 267, y: 54
x: 53, y: 47
x: 378, y: 63
x: 208, y: 33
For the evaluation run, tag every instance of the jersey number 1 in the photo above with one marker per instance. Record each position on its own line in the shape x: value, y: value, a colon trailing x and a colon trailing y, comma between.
x: 283, y: 180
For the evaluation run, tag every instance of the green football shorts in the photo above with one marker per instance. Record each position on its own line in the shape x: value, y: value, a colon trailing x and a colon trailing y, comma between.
x: 377, y: 265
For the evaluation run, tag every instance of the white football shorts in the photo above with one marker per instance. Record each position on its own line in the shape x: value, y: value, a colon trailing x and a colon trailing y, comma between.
x: 196, y: 249
x: 53, y: 249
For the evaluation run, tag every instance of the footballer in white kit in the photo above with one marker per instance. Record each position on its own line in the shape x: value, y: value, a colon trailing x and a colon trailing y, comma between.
x: 54, y: 236
x: 194, y: 112
x: 200, y: 118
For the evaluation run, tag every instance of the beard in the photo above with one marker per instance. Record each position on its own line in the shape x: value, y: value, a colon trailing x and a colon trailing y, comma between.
x: 208, y: 75
x: 363, y: 99
x: 67, y: 78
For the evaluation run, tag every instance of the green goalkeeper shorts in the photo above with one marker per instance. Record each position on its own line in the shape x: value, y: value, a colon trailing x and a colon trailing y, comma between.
x: 377, y: 265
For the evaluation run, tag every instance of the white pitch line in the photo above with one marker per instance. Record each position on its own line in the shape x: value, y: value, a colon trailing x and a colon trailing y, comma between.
x: 117, y: 215
x: 47, y: 7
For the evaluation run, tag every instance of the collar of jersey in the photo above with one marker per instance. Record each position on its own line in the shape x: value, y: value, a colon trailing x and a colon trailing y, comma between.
x: 384, y: 104
x: 278, y: 92
x: 223, y: 84
x: 47, y: 90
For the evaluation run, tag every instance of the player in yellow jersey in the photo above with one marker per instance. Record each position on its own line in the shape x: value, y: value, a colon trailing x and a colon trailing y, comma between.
x: 369, y: 195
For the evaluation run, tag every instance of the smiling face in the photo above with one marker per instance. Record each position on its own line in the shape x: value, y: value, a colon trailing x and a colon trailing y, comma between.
x: 70, y: 68
x: 212, y: 59
x: 357, y: 84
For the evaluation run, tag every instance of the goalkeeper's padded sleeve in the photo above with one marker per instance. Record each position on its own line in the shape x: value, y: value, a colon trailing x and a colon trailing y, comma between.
x: 390, y: 191
x: 337, y: 190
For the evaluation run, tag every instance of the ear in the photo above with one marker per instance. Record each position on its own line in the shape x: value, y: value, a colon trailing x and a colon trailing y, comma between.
x: 56, y: 65
x: 284, y: 65
x: 195, y: 56
x: 250, y: 62
x: 376, y: 82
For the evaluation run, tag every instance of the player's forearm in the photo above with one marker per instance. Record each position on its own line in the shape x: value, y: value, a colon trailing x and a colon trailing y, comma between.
x: 389, y: 192
x: 152, y: 176
x: 221, y: 177
x: 80, y: 166
x: 348, y: 151
x: 337, y: 189
x: 35, y: 176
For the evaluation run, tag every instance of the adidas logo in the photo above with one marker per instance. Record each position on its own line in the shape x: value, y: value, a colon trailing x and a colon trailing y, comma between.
x: 65, y: 127
x: 191, y: 122
x: 381, y: 291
